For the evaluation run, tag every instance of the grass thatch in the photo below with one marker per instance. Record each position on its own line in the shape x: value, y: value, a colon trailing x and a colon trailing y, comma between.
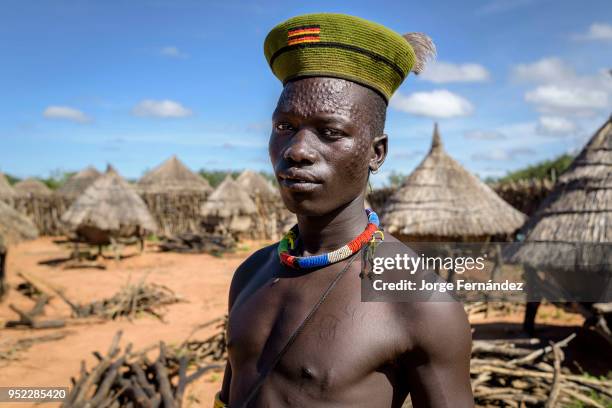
x: 256, y: 185
x: 524, y: 195
x: 229, y: 209
x: 109, y: 208
x: 270, y: 207
x: 35, y: 200
x: 7, y: 193
x: 441, y: 200
x: 573, y: 226
x: 174, y: 195
x: 78, y: 183
x: 31, y: 188
x: 172, y: 176
x: 14, y: 226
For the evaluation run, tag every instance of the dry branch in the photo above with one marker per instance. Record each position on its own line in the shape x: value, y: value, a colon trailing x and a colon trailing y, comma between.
x: 512, y: 374
x: 127, y: 379
x: 131, y: 301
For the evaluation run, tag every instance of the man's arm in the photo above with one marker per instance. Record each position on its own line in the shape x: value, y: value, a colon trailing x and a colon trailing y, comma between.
x: 240, y: 279
x: 235, y: 288
x: 438, y: 364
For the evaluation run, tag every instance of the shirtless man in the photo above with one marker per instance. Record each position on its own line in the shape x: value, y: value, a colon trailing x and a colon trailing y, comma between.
x: 327, y: 136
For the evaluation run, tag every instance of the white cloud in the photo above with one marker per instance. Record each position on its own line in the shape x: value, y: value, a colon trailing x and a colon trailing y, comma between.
x: 499, y: 154
x: 567, y: 99
x: 161, y: 109
x: 444, y: 72
x: 484, y: 135
x: 561, y: 91
x: 172, y: 52
x: 597, y: 31
x: 67, y: 113
x: 555, y: 126
x: 546, y: 70
x: 438, y: 104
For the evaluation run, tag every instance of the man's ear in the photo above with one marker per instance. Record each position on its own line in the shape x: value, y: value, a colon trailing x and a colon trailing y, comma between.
x: 379, y: 152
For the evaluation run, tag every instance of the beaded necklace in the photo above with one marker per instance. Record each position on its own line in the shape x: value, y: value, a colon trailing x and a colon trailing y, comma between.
x: 314, y: 261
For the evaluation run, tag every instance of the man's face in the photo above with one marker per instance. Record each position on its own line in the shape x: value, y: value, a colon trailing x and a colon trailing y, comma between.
x: 321, y: 144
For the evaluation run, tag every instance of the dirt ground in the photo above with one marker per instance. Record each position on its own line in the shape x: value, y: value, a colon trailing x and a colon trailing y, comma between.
x: 203, y: 281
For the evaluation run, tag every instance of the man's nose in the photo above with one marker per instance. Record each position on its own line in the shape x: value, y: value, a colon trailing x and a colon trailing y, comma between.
x: 300, y: 149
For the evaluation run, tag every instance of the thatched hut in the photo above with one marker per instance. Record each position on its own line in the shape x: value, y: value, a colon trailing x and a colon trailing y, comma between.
x: 37, y: 201
x: 78, y: 183
x: 569, y: 238
x: 255, y: 184
x: 7, y: 193
x: 577, y: 212
x: 174, y: 195
x: 14, y: 228
x: 229, y: 210
x: 442, y: 201
x: 108, y: 210
x: 272, y: 213
x: 31, y: 187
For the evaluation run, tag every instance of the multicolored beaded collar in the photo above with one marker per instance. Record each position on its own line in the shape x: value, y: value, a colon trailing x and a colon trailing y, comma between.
x: 306, y: 262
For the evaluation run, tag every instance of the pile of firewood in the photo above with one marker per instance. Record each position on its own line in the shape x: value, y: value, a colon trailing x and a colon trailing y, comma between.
x: 127, y: 379
x: 497, y: 308
x: 198, y: 243
x: 214, y: 348
x: 512, y: 373
x: 131, y: 301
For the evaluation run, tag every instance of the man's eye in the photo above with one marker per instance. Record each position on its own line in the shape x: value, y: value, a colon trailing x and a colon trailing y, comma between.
x: 328, y: 132
x: 283, y: 126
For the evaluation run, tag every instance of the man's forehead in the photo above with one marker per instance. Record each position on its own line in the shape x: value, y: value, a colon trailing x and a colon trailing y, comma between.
x: 310, y: 96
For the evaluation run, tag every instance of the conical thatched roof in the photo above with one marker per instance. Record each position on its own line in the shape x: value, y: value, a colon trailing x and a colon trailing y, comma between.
x: 172, y: 176
x: 573, y: 225
x: 14, y: 226
x: 31, y: 187
x: 110, y: 205
x: 6, y: 191
x: 442, y: 200
x: 78, y: 183
x: 228, y: 199
x: 256, y: 185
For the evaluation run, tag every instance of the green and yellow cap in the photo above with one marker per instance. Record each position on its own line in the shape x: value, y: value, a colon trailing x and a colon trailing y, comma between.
x: 346, y: 47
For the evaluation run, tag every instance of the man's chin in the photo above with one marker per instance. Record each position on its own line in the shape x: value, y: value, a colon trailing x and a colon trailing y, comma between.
x: 304, y: 203
x: 311, y: 205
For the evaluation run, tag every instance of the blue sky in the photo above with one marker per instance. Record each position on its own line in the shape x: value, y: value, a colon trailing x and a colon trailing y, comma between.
x: 133, y: 82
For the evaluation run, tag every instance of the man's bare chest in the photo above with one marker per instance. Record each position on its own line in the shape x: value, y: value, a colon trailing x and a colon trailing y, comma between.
x: 344, y: 341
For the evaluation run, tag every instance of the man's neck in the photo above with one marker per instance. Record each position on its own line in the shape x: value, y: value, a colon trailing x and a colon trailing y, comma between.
x: 320, y: 234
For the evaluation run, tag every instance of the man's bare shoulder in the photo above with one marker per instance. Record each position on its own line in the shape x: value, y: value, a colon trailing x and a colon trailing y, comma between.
x: 250, y: 268
x: 426, y: 321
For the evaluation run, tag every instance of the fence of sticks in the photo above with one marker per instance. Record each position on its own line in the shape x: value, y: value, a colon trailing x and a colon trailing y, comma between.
x: 524, y: 195
x: 45, y: 211
x: 175, y: 213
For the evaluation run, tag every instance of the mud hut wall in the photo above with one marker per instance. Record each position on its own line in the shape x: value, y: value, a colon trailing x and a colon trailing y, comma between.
x: 44, y: 211
x: 175, y: 213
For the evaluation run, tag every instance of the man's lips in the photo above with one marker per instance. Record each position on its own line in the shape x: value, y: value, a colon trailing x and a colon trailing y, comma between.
x: 299, y: 181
